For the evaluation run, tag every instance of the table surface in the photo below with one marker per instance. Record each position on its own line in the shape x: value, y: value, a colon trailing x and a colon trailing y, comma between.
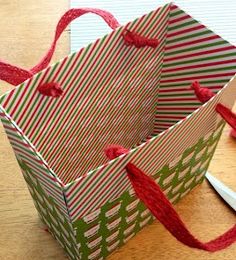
x: 26, y: 31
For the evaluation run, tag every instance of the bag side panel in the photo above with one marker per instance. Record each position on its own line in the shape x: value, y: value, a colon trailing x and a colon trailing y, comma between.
x: 55, y: 220
x: 193, y: 52
x: 112, y: 225
x: 27, y: 154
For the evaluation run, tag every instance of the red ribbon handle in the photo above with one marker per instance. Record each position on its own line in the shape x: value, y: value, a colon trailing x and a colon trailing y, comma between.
x: 205, y: 94
x: 150, y: 193
x: 16, y: 75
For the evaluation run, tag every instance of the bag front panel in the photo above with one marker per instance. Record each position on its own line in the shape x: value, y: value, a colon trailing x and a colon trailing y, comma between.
x: 112, y: 225
x: 99, y: 233
x: 110, y: 92
x: 192, y: 52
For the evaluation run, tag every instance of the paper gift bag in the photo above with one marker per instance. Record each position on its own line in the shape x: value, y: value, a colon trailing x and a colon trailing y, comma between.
x: 110, y: 135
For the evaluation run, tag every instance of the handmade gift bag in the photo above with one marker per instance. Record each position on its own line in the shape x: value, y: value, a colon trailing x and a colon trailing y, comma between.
x: 109, y: 136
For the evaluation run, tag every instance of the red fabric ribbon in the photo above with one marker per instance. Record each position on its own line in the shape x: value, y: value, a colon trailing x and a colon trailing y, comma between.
x: 149, y: 192
x: 233, y: 133
x: 203, y: 94
x: 16, y: 75
x: 227, y: 114
x: 137, y: 40
x: 51, y: 89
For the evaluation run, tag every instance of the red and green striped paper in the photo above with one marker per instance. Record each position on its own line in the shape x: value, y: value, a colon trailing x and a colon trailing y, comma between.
x: 114, y: 93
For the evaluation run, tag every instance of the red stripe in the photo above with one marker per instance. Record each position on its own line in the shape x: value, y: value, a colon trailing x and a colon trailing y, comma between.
x: 191, y: 55
x: 229, y: 74
x: 202, y: 65
x: 10, y: 128
x: 17, y: 141
x: 185, y: 90
x: 27, y: 106
x: 27, y: 155
x: 39, y: 172
x: 176, y: 20
x: 178, y: 108
x: 166, y: 117
x: 51, y: 100
x: 47, y: 184
x: 5, y: 103
x: 198, y: 27
x: 213, y: 37
x: 40, y: 102
x: 166, y: 124
x: 25, y: 89
x: 177, y: 99
x: 59, y: 103
x: 173, y: 7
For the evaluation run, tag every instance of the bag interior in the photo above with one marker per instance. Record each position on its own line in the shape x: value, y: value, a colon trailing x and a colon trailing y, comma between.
x: 142, y: 99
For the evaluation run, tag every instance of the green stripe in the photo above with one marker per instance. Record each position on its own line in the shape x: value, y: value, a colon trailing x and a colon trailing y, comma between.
x: 35, y: 102
x: 176, y: 12
x: 173, y: 113
x: 182, y: 25
x: 178, y: 104
x: 18, y: 92
x: 204, y: 82
x: 176, y: 95
x: 200, y: 72
x: 208, y: 58
x: 188, y: 36
x: 36, y: 118
x: 69, y: 92
x: 22, y: 148
x: 192, y: 48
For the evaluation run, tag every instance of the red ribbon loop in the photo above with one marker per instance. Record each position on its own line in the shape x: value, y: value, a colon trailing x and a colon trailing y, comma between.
x: 203, y: 94
x: 137, y: 40
x: 51, y: 89
x: 150, y: 193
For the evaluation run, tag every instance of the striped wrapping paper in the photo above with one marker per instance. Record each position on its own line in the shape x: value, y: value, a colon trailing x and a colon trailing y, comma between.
x: 114, y: 93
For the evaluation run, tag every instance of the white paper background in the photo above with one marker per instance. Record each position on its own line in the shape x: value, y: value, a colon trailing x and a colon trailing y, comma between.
x: 218, y: 15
